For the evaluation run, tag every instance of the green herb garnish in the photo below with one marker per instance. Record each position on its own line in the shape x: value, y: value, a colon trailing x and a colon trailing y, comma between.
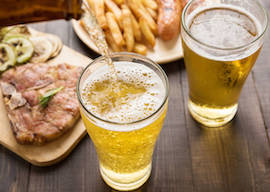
x: 44, y: 99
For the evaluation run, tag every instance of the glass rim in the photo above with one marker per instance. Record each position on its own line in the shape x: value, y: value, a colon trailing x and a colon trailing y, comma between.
x: 184, y: 26
x: 125, y: 54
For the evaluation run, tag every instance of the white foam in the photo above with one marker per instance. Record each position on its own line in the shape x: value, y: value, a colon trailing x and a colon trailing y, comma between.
x: 224, y: 31
x: 136, y: 108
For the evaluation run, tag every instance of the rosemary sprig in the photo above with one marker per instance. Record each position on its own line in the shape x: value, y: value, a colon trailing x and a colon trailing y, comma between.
x: 44, y: 99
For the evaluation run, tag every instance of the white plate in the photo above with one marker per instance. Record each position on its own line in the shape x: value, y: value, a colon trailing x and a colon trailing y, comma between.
x: 163, y: 52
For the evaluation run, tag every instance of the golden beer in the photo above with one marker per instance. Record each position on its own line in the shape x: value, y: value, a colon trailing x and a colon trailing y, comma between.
x: 123, y: 118
x: 221, y: 44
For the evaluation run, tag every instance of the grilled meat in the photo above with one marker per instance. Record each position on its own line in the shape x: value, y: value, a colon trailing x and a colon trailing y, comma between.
x: 22, y: 88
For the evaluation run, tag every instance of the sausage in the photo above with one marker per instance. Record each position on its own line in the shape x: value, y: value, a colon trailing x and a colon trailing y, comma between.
x: 169, y: 18
x: 169, y: 15
x: 184, y: 2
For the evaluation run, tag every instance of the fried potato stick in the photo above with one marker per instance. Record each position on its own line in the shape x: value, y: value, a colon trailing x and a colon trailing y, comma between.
x: 128, y: 29
x: 114, y: 28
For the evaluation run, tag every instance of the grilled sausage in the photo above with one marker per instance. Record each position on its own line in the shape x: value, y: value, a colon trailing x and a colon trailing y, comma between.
x: 169, y: 18
x: 184, y: 2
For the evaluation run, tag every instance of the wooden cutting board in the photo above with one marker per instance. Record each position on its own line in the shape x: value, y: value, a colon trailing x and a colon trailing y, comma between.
x: 54, y: 151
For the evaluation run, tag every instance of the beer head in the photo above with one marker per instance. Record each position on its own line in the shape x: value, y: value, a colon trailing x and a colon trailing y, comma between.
x: 134, y: 99
x: 224, y: 30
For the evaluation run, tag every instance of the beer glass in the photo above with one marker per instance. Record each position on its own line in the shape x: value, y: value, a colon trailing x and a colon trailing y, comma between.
x: 124, y: 141
x: 221, y: 42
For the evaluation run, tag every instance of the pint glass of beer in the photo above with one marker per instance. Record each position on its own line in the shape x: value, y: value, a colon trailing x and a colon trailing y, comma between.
x: 221, y: 41
x: 123, y: 115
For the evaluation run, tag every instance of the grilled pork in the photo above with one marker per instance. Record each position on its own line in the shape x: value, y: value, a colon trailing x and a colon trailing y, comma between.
x: 24, y: 86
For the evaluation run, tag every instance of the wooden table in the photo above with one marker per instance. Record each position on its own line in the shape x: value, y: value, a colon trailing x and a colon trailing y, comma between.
x: 187, y: 157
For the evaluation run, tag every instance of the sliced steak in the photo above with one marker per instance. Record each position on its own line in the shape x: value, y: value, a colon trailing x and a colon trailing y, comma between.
x: 22, y: 88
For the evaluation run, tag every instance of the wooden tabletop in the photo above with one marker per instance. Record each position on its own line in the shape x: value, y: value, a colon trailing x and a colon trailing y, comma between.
x: 187, y: 158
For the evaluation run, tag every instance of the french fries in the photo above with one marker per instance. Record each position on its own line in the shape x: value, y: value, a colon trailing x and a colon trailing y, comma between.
x: 153, y: 13
x: 119, y: 2
x: 140, y: 11
x: 140, y: 48
x: 149, y: 36
x: 111, y: 6
x: 150, y: 4
x: 111, y: 42
x: 135, y: 25
x: 114, y: 29
x: 128, y: 25
x: 136, y: 29
x: 128, y: 31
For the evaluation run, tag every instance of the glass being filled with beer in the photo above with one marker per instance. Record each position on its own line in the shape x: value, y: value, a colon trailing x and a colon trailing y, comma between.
x: 221, y: 41
x: 124, y: 115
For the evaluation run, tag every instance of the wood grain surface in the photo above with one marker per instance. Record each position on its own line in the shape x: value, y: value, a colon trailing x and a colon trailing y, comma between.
x: 188, y: 158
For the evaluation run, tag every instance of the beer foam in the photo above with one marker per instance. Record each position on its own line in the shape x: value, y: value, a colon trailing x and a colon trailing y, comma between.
x: 225, y: 26
x: 146, y: 94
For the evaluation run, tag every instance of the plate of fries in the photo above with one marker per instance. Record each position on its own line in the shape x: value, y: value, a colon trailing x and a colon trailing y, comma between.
x: 130, y: 25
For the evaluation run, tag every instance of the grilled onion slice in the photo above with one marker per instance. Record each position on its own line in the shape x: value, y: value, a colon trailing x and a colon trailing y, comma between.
x: 42, y: 49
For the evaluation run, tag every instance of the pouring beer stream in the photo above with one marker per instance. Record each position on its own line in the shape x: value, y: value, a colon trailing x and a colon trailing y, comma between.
x: 97, y: 36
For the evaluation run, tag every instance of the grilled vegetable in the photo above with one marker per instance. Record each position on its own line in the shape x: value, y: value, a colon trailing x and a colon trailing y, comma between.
x: 7, y: 56
x: 44, y: 100
x: 23, y: 47
x: 15, y: 30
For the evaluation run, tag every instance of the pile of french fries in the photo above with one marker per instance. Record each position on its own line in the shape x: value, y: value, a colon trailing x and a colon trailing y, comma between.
x: 129, y: 25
